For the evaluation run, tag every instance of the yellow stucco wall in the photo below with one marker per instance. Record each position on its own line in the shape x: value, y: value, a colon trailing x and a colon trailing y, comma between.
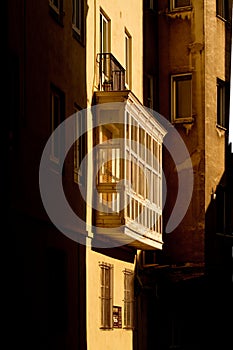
x: 123, y: 15
x: 98, y: 339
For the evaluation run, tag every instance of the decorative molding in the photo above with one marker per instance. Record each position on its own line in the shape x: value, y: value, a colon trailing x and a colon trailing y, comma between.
x: 196, y: 47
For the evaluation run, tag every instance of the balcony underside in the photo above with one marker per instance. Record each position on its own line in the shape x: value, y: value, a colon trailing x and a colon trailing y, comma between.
x: 109, y: 229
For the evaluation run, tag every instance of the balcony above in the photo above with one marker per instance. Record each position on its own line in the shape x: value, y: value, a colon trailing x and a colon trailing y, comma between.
x: 111, y: 75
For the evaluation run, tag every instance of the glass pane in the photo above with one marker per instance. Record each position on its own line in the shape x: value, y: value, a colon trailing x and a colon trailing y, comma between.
x: 56, y: 3
x: 183, y: 99
x: 182, y: 3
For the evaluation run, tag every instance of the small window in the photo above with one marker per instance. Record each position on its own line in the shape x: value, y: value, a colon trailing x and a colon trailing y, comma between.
x: 150, y: 91
x: 78, y: 19
x: 57, y: 117
x: 222, y: 102
x: 177, y: 4
x: 128, y: 299
x: 150, y: 4
x: 181, y: 98
x: 79, y: 146
x: 56, y: 10
x: 128, y: 58
x: 104, y: 34
x: 223, y: 8
x: 106, y: 276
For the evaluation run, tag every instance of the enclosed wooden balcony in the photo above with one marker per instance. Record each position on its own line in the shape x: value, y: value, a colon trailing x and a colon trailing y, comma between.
x: 128, y: 168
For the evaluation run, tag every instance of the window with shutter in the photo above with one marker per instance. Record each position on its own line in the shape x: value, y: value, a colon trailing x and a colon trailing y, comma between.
x: 106, y: 271
x: 128, y: 299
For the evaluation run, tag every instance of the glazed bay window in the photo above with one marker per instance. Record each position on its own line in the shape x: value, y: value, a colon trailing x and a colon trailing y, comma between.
x: 106, y: 303
x: 128, y: 299
x: 181, y: 98
x: 128, y: 172
x: 143, y: 177
x: 109, y: 170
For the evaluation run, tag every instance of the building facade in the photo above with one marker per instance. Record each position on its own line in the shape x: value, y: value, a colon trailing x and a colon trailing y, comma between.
x: 46, y: 60
x: 75, y: 279
x: 126, y: 188
x: 114, y: 278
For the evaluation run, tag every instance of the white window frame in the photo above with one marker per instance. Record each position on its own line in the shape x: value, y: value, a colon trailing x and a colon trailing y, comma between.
x: 128, y: 59
x: 174, y: 79
x: 106, y: 295
x: 104, y: 20
x: 136, y: 156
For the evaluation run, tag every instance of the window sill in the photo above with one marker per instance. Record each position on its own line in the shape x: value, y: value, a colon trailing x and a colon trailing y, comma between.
x: 183, y: 121
x: 181, y: 13
x: 128, y: 328
x: 186, y: 123
x: 180, y: 9
x: 106, y: 329
x: 221, y: 127
x: 221, y: 18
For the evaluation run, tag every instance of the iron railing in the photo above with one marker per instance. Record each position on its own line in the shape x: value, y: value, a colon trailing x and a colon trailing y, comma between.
x: 111, y: 73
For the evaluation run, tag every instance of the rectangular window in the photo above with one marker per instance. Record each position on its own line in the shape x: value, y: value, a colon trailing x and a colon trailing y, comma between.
x: 55, y: 4
x: 221, y: 103
x: 56, y: 10
x: 150, y: 91
x: 181, y: 97
x: 128, y: 299
x: 104, y: 34
x: 79, y: 146
x: 223, y: 8
x: 177, y: 4
x: 152, y: 4
x: 78, y: 19
x: 106, y: 283
x: 128, y: 58
x: 57, y: 116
